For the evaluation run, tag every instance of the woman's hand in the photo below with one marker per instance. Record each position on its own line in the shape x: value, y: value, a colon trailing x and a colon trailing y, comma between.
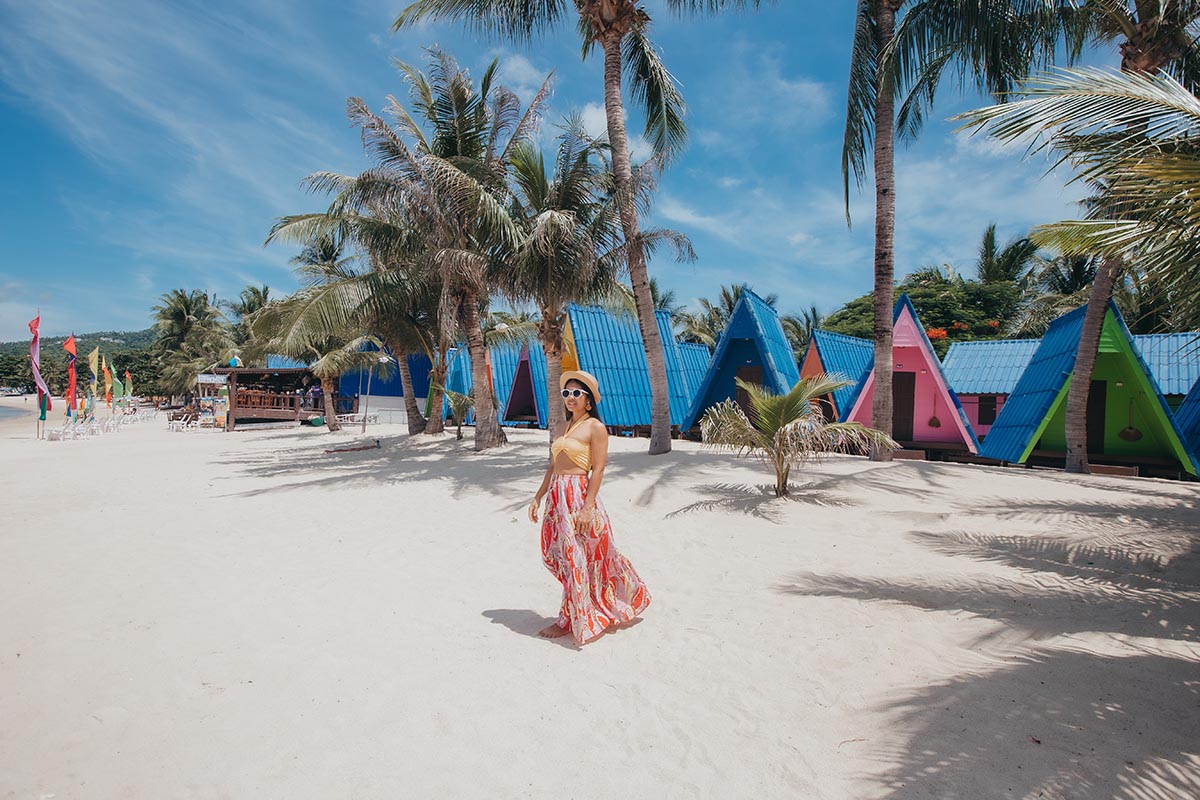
x: 586, y: 517
x: 533, y: 509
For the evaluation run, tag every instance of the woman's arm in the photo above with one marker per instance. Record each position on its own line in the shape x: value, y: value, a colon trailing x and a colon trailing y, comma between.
x: 541, y: 492
x: 598, y: 441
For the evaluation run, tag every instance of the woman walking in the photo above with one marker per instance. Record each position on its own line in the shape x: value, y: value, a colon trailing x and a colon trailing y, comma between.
x: 600, y: 586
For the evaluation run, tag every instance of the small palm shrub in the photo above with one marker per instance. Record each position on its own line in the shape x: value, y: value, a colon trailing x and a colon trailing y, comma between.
x: 788, y: 429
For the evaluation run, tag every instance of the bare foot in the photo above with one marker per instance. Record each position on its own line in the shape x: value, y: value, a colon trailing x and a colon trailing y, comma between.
x: 552, y: 631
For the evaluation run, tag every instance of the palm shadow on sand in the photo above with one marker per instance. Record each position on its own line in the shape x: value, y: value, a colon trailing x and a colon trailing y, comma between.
x: 759, y: 501
x: 1052, y: 718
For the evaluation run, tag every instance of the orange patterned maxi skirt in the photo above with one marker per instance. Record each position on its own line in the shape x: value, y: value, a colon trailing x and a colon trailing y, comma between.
x: 600, y: 586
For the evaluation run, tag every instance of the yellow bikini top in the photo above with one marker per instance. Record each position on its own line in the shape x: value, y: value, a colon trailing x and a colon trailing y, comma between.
x: 579, y: 452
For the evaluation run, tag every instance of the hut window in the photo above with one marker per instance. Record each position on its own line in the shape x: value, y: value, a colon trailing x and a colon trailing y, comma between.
x: 987, y: 409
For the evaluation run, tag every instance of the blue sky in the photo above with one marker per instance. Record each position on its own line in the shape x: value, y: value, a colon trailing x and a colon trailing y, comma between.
x: 148, y: 146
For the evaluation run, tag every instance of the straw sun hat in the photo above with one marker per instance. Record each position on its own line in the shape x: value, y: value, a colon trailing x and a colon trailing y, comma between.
x: 586, y: 378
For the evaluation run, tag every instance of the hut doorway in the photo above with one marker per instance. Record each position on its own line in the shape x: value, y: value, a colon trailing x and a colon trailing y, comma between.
x: 904, y: 398
x: 749, y: 374
x: 1097, y: 409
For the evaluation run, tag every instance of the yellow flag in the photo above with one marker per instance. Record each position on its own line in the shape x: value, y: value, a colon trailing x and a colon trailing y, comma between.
x: 94, y: 363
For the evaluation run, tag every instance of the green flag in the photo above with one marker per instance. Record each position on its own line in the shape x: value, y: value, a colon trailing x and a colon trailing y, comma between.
x: 43, y: 403
x: 118, y: 388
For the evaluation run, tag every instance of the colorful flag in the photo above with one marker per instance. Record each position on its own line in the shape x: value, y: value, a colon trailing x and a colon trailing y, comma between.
x: 43, y: 404
x: 118, y: 388
x: 69, y: 346
x: 128, y: 383
x: 107, y: 380
x: 35, y: 356
x: 94, y: 362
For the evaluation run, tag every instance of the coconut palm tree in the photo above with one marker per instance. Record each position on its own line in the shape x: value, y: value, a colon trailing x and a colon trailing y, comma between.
x: 788, y: 429
x: 182, y: 315
x: 1013, y: 262
x: 1135, y: 133
x: 619, y: 28
x: 799, y: 329
x: 441, y: 184
x: 570, y: 233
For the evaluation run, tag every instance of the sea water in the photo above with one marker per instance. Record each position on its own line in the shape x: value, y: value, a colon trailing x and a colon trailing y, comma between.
x: 6, y: 412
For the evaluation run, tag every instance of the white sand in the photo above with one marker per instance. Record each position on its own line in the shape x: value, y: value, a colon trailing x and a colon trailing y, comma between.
x: 207, y: 615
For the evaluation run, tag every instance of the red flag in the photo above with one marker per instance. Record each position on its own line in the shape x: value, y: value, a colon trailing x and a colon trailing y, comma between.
x: 69, y: 346
x: 35, y: 355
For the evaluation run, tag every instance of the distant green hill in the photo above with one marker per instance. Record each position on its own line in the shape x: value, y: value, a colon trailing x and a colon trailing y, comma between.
x: 107, y: 341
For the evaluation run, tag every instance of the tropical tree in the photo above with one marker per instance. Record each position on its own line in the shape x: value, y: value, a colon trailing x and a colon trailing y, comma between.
x: 1012, y: 263
x: 788, y: 429
x: 441, y: 187
x: 1135, y: 134
x: 191, y: 335
x: 619, y: 28
x: 460, y: 405
x: 799, y: 329
x: 569, y: 236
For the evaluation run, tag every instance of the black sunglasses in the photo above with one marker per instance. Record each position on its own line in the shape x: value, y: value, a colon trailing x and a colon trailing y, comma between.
x: 574, y: 393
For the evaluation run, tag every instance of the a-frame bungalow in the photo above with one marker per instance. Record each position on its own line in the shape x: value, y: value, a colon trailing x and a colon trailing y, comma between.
x: 1128, y: 420
x: 528, y: 398
x: 926, y: 413
x: 831, y: 353
x: 1187, y: 417
x: 610, y: 347
x: 753, y: 347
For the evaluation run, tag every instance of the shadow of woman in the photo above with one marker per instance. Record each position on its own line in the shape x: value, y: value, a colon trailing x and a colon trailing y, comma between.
x: 527, y: 623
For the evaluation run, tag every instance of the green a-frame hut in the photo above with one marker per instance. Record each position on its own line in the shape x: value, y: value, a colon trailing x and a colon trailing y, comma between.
x: 1128, y: 422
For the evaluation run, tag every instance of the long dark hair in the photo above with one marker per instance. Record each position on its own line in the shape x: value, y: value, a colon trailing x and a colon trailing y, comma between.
x: 593, y: 412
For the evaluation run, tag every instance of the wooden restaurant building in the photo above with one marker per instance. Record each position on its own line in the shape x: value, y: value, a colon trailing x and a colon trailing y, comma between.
x: 259, y: 395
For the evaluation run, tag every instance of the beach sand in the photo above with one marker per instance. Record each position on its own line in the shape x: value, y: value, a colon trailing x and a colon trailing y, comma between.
x: 209, y: 615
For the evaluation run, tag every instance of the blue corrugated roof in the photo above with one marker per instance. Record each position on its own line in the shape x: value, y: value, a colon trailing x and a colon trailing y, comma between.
x: 848, y: 355
x: 283, y: 362
x: 504, y: 359
x: 537, y: 366
x: 677, y: 384
x: 989, y: 366
x: 1187, y: 416
x: 694, y: 358
x: 610, y: 348
x: 751, y: 319
x: 1173, y: 358
x: 459, y: 378
x: 1033, y: 396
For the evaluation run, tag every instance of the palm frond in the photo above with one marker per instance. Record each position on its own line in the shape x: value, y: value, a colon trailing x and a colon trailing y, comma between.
x: 655, y: 89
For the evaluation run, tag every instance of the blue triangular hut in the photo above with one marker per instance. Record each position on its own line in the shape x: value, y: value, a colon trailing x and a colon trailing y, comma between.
x: 926, y: 412
x: 1187, y: 417
x: 1124, y: 395
x: 753, y: 347
x: 694, y: 358
x: 502, y: 362
x: 831, y: 353
x: 610, y: 347
x: 527, y: 398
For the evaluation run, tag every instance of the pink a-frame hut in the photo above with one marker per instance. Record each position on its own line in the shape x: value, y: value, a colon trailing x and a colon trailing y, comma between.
x: 926, y: 412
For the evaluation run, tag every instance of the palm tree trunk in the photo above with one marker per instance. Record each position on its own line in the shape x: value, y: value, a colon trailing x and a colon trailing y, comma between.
x: 1085, y: 365
x: 885, y: 226
x: 552, y: 343
x: 488, y: 432
x: 660, y: 405
x: 416, y: 420
x: 1144, y: 53
x: 328, y: 387
x: 436, y: 423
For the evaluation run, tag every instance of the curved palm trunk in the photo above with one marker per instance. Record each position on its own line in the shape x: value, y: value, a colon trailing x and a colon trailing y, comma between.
x: 436, y: 422
x: 1148, y: 53
x: 416, y: 420
x: 488, y: 432
x: 1085, y: 365
x: 885, y: 225
x: 660, y: 408
x: 552, y: 343
x: 328, y: 387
